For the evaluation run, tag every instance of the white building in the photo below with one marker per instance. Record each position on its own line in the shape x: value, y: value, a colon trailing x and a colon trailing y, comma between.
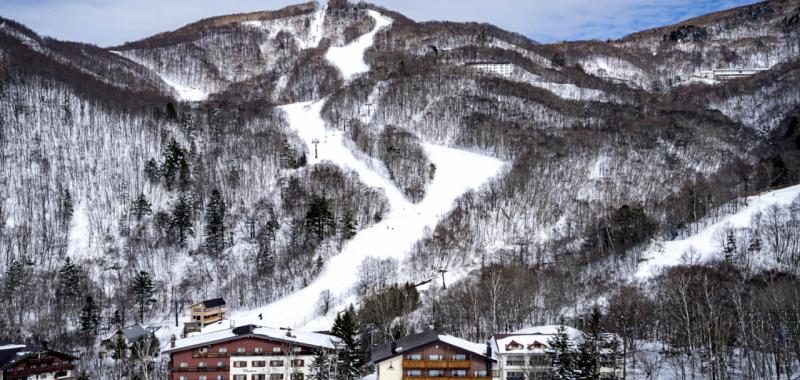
x: 525, y: 354
x: 496, y: 68
x: 726, y: 74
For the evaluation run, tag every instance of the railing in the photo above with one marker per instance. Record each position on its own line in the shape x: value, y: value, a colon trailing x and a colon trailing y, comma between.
x: 199, y: 369
x: 37, y: 371
x: 446, y: 377
x: 436, y: 364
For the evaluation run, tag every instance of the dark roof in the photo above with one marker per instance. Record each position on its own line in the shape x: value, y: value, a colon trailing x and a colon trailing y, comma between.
x: 488, y: 63
x: 214, y: 302
x: 14, y: 353
x: 403, y: 344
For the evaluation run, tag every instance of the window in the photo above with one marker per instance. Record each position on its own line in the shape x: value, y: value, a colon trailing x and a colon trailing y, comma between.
x: 258, y: 363
x: 414, y: 372
x: 276, y: 363
x: 297, y: 362
x: 220, y: 364
x: 259, y: 377
x: 298, y: 349
x: 183, y: 378
x: 515, y: 375
x: 184, y: 365
x: 539, y: 360
x: 276, y: 349
x: 240, y: 364
x: 434, y: 357
x: 480, y: 373
x: 459, y: 373
x: 259, y: 350
x: 515, y: 360
x: 202, y: 377
x: 297, y: 376
x: 436, y: 373
x: 239, y: 377
x: 220, y: 377
x: 276, y: 376
x: 459, y: 357
x: 414, y: 357
x: 223, y: 350
x: 202, y: 364
x: 240, y: 350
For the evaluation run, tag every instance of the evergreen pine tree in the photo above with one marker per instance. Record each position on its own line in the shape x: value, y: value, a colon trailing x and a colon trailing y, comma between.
x: 350, y: 352
x: 90, y: 317
x: 321, y: 367
x: 755, y: 243
x: 215, y: 223
x: 69, y: 278
x: 730, y: 247
x: 319, y: 218
x: 65, y: 209
x: 141, y: 207
x: 116, y: 320
x: 152, y: 171
x: 349, y: 226
x: 563, y: 358
x: 181, y: 220
x: 588, y: 360
x: 142, y: 289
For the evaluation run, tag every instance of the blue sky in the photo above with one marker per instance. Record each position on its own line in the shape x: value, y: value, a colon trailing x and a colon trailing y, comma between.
x: 112, y: 22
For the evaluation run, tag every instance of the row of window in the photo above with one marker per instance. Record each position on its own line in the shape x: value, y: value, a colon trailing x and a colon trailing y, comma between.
x: 442, y: 373
x: 274, y: 376
x: 42, y: 366
x: 534, y: 359
x: 435, y: 357
x: 272, y: 363
x: 242, y: 350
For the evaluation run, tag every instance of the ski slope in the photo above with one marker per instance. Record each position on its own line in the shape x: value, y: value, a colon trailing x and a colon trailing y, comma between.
x: 349, y: 59
x: 705, y: 243
x: 457, y: 172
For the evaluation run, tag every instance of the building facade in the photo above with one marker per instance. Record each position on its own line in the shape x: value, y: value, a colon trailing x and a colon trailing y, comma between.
x: 247, y: 353
x: 24, y: 362
x: 504, y: 69
x: 429, y: 354
x: 204, y: 313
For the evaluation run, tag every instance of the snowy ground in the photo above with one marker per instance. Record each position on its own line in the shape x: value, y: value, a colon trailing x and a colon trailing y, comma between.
x: 705, y: 243
x: 350, y: 58
x: 186, y: 93
x: 457, y: 171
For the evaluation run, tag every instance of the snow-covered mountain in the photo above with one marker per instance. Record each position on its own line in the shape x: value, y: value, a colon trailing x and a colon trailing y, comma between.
x: 301, y: 160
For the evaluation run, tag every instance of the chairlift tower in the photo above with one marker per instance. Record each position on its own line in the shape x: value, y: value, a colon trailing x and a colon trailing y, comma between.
x: 316, y: 145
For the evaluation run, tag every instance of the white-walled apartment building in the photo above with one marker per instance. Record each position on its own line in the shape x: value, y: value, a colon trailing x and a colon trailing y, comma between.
x: 523, y: 354
x: 247, y: 353
x: 497, y: 68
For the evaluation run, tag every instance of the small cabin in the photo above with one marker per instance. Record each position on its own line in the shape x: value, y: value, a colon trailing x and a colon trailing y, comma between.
x: 204, y: 313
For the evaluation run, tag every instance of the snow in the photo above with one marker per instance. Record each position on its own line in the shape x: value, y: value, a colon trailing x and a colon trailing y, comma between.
x: 528, y: 336
x: 477, y: 348
x: 457, y: 171
x: 185, y: 92
x: 302, y: 338
x: 80, y: 238
x: 11, y: 347
x: 705, y: 243
x: 349, y: 59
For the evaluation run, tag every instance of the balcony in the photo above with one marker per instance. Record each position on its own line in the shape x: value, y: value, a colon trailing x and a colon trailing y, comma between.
x: 209, y: 312
x: 199, y: 369
x: 436, y: 364
x: 446, y: 378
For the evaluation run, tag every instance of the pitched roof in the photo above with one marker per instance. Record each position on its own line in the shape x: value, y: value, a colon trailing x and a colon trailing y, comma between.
x: 11, y: 354
x: 307, y: 339
x: 413, y: 341
x: 528, y: 338
x: 134, y: 333
x: 214, y: 302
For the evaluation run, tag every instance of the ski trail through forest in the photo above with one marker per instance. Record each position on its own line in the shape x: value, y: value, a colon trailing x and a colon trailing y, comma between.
x: 457, y: 172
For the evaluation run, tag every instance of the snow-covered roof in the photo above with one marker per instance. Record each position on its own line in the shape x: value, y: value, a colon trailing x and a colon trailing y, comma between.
x: 424, y: 338
x: 532, y: 339
x: 309, y: 339
x: 476, y: 348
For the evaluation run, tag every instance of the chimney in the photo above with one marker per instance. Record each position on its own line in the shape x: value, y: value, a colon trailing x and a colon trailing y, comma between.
x: 489, y: 348
x: 172, y: 342
x: 394, y: 347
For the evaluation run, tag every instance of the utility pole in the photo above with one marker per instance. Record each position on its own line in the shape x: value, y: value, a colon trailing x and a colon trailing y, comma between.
x: 316, y: 144
x: 443, y: 271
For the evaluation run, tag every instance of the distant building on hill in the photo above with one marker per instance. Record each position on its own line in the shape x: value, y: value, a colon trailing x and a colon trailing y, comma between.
x: 130, y: 338
x: 725, y: 74
x: 22, y: 362
x: 497, y: 68
x: 204, y: 313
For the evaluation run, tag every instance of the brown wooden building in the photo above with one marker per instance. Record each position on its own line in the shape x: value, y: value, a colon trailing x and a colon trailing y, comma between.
x: 204, y: 313
x: 429, y: 355
x: 20, y: 361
